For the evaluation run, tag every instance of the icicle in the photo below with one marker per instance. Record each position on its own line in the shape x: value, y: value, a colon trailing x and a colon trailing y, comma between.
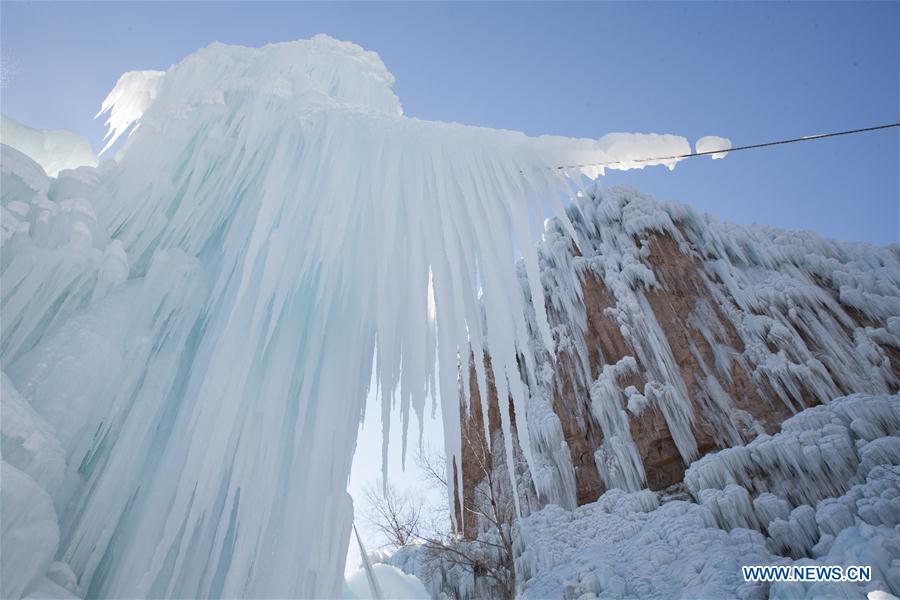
x: 617, y: 459
x: 367, y: 565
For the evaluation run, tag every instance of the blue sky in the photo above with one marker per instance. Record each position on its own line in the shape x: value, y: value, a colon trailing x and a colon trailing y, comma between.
x: 748, y: 71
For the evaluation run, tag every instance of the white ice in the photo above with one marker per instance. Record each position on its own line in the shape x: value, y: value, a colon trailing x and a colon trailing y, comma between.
x: 53, y: 149
x: 196, y: 321
x: 628, y: 545
x: 129, y: 98
x: 710, y: 143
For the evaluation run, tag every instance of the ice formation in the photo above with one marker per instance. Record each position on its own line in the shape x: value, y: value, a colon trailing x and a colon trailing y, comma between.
x: 617, y: 459
x: 797, y: 318
x: 132, y: 94
x: 816, y: 455
x: 711, y: 143
x: 628, y: 545
x: 673, y: 328
x: 54, y: 149
x: 189, y: 331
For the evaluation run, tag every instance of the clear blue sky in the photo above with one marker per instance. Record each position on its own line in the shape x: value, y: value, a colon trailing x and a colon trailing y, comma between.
x: 748, y: 71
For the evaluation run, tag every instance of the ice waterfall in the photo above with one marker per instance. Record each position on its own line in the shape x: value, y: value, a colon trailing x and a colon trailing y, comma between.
x: 191, y: 329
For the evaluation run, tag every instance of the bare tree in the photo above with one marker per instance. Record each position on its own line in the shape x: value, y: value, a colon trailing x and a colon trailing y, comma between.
x: 434, y: 466
x: 491, y: 511
x: 395, y: 515
x: 487, y: 554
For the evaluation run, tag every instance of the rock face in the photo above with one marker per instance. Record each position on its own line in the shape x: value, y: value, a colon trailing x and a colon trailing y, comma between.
x: 677, y: 336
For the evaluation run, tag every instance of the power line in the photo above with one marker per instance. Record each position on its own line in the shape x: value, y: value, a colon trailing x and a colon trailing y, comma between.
x: 736, y: 149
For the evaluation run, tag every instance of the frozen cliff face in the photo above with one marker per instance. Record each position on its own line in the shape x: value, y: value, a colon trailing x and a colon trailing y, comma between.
x: 677, y: 335
x: 195, y: 323
x: 627, y: 544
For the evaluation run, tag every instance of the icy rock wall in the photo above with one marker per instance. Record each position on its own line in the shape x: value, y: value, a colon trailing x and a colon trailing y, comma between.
x: 628, y: 544
x: 819, y: 453
x: 196, y: 321
x: 726, y: 331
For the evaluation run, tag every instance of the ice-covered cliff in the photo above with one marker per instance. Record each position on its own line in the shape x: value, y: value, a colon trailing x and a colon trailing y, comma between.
x: 189, y: 330
x: 823, y: 491
x: 705, y: 362
x: 676, y: 334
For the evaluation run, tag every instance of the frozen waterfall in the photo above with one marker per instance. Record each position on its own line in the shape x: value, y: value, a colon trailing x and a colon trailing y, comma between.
x: 189, y: 331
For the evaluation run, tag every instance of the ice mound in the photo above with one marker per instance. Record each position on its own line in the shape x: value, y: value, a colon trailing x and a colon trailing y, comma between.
x: 54, y: 149
x: 393, y: 582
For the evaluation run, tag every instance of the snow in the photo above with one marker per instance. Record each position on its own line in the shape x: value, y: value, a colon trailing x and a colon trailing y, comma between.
x: 623, y: 549
x: 816, y: 455
x: 53, y: 149
x: 710, y: 143
x: 624, y: 148
x: 394, y: 583
x: 442, y: 574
